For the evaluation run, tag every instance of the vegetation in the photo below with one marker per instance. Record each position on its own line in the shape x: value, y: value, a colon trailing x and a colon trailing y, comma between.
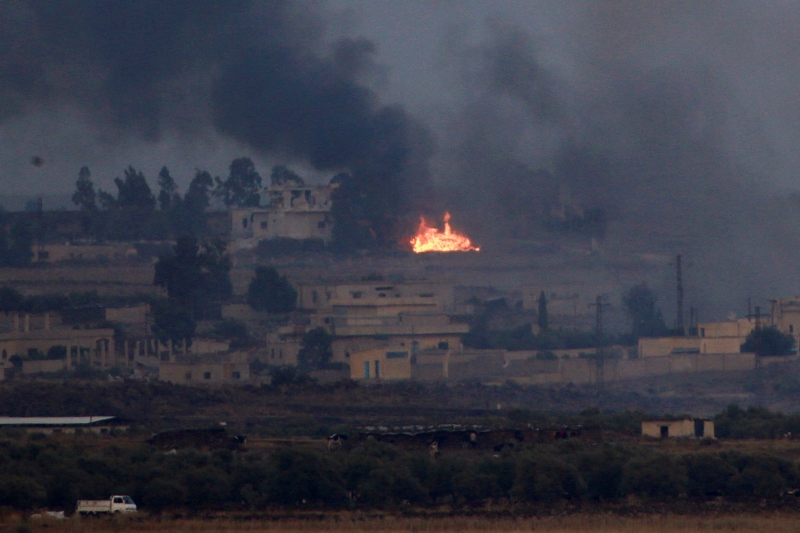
x: 364, y: 210
x: 769, y: 341
x: 243, y: 185
x: 56, y: 472
x: 197, y: 280
x: 12, y: 300
x: 316, y: 350
x: 541, y: 319
x: 271, y: 292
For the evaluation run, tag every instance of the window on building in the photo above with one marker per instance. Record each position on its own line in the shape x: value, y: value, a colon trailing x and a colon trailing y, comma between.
x: 366, y: 369
x: 702, y: 332
x: 357, y: 295
x: 43, y: 256
x: 444, y: 345
x: 321, y: 225
x: 313, y: 296
x: 377, y: 369
x: 188, y: 376
x: 206, y: 375
x: 280, y: 354
x: 263, y: 224
x: 244, y: 222
x: 236, y: 375
x: 272, y: 354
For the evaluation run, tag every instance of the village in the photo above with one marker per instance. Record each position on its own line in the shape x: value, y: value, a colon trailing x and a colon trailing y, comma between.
x: 414, y: 316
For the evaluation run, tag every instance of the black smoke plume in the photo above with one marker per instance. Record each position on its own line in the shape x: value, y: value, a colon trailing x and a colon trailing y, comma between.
x: 263, y: 73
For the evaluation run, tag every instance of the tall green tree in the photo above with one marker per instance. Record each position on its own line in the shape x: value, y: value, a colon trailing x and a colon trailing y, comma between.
x: 132, y: 192
x: 365, y: 211
x: 16, y: 246
x: 85, y: 196
x: 768, y: 341
x: 271, y: 292
x: 316, y: 350
x: 168, y: 197
x: 243, y: 185
x: 189, y: 216
x: 282, y: 175
x: 173, y: 321
x: 542, y: 320
x: 196, y: 276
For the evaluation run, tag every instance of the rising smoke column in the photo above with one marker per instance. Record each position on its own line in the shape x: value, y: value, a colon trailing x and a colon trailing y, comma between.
x: 657, y: 115
x: 262, y: 73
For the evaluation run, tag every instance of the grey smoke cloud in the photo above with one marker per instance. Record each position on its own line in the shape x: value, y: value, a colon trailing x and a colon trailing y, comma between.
x: 263, y: 74
x: 680, y: 118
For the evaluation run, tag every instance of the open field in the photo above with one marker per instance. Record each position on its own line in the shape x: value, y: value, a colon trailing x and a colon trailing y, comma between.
x: 782, y: 522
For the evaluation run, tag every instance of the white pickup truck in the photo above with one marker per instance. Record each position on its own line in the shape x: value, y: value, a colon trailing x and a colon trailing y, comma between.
x: 115, y: 504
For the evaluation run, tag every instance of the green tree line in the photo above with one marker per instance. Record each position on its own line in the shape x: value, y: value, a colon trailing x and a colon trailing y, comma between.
x: 55, y: 472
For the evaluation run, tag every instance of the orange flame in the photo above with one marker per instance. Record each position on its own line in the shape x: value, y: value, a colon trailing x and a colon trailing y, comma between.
x: 430, y: 239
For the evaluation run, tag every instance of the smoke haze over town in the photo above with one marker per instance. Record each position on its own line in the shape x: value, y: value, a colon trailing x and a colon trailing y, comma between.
x: 675, y: 123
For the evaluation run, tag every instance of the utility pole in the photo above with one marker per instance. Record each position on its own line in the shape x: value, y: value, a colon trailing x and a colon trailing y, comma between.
x: 598, y: 333
x: 679, y: 321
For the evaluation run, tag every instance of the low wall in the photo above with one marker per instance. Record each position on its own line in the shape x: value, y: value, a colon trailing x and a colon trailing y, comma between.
x: 44, y: 366
x: 580, y: 371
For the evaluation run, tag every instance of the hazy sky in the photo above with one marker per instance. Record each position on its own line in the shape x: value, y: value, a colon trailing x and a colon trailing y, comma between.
x: 422, y: 61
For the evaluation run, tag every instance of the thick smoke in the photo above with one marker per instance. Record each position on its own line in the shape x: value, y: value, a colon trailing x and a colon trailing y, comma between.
x: 653, y: 121
x: 262, y: 73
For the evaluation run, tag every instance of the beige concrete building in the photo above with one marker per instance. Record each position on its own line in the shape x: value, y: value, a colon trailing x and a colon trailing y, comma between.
x: 92, y: 346
x: 377, y: 297
x: 292, y: 212
x: 54, y: 253
x: 137, y: 314
x: 662, y: 346
x: 685, y: 427
x: 785, y: 315
x: 737, y: 327
x: 282, y: 349
x: 231, y: 369
x: 384, y: 363
x: 372, y: 315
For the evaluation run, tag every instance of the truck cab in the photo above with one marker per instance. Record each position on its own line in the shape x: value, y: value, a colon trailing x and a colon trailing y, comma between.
x: 122, y: 504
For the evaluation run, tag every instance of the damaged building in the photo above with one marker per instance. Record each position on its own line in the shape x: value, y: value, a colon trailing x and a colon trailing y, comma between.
x: 292, y: 212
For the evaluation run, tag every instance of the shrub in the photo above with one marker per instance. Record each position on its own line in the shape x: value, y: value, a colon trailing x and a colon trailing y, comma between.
x: 659, y: 476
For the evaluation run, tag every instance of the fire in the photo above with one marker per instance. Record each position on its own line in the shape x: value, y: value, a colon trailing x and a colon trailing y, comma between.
x: 430, y: 239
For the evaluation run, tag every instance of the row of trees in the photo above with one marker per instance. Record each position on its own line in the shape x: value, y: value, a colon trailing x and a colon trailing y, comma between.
x: 56, y: 473
x: 137, y: 213
x: 365, y: 212
x: 240, y: 189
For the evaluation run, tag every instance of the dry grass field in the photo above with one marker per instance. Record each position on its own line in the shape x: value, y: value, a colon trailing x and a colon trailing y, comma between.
x: 778, y: 523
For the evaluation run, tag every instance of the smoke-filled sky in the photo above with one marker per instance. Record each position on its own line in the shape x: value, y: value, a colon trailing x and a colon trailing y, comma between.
x: 680, y: 119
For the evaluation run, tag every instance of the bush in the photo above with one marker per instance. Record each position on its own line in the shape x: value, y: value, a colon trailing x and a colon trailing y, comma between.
x: 546, y: 478
x: 708, y: 475
x: 659, y: 476
x: 300, y: 477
